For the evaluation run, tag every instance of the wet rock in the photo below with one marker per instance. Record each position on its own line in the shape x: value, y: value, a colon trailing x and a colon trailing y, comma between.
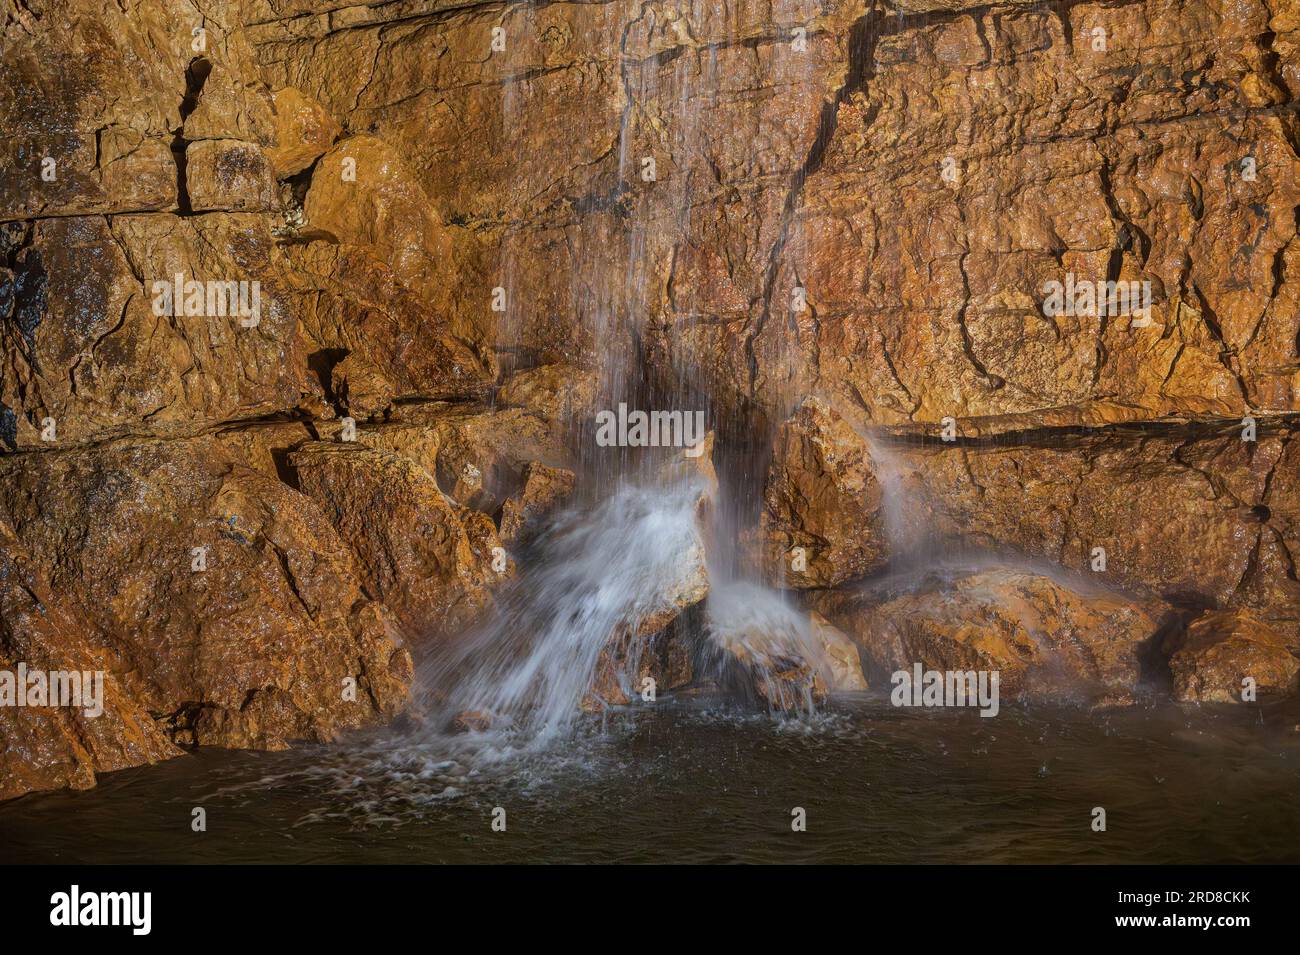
x: 776, y: 675
x: 97, y: 351
x: 64, y: 746
x: 657, y: 636
x: 228, y: 175
x: 363, y: 194
x: 95, y: 89
x: 428, y: 560
x: 634, y: 664
x: 471, y: 721
x: 561, y: 394
x: 1048, y: 640
x: 224, y: 99
x: 355, y: 311
x: 482, y: 454
x: 221, y: 601
x: 1218, y: 651
x: 836, y: 654
x: 823, y: 518
x: 768, y: 650
x: 545, y: 488
x: 939, y: 310
x: 304, y: 130
x: 1191, y: 514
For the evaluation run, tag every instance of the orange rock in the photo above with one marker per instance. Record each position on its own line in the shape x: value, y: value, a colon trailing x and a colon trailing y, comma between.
x: 1047, y: 640
x: 228, y: 175
x: 822, y: 519
x: 545, y: 488
x: 427, y: 560
x: 213, y: 595
x: 1219, y: 651
x: 304, y: 130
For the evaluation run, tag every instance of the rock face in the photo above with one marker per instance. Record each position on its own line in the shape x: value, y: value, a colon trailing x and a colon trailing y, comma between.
x: 47, y: 747
x: 1198, y: 517
x: 428, y: 560
x: 236, y: 236
x: 823, y: 519
x: 1046, y: 640
x: 213, y: 597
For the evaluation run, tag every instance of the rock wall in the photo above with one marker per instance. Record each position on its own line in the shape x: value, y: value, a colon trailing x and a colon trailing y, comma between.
x: 460, y: 226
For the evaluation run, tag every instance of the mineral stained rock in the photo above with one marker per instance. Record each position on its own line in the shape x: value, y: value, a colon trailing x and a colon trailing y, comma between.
x: 1230, y: 657
x: 414, y: 548
x: 381, y: 229
x: 823, y: 518
x: 1047, y: 640
x: 215, y: 598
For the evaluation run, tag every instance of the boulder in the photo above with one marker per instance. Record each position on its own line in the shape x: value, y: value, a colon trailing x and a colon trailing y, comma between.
x: 767, y: 649
x: 373, y: 340
x: 64, y: 746
x: 219, y: 600
x: 1048, y: 639
x: 545, y: 488
x: 304, y: 130
x: 1218, y: 651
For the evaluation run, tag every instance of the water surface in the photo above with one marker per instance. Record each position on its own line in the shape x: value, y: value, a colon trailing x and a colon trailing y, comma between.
x: 702, y: 781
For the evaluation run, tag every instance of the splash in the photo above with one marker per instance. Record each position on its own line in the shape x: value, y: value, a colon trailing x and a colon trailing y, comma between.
x: 634, y: 558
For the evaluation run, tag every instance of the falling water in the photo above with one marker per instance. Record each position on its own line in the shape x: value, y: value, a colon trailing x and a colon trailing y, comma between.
x: 596, y: 573
x: 613, y: 561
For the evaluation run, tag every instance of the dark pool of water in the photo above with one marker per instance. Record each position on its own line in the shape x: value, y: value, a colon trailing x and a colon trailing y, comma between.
x: 702, y: 782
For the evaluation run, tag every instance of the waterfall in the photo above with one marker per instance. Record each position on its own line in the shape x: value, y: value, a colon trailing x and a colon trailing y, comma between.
x: 612, y: 567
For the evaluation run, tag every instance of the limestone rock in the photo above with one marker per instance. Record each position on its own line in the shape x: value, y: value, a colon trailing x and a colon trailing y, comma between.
x: 1219, y: 650
x: 629, y: 660
x: 769, y: 650
x: 429, y: 562
x: 1047, y: 640
x: 838, y: 655
x: 1178, y: 512
x: 351, y: 304
x: 482, y: 454
x: 363, y: 194
x: 304, y: 130
x: 822, y: 495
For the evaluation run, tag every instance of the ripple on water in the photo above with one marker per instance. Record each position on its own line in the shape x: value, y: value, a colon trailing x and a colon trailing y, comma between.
x: 706, y: 781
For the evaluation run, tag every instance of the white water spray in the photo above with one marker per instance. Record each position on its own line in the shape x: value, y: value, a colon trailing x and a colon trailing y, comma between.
x: 629, y: 559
